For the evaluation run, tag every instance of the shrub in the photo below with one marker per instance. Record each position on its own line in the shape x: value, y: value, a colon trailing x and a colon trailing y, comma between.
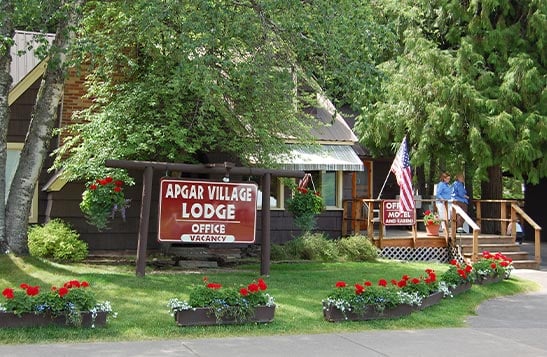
x: 279, y: 252
x: 313, y: 246
x: 357, y: 248
x: 56, y: 240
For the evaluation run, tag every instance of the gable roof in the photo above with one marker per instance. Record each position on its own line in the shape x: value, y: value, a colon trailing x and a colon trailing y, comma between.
x: 25, y: 67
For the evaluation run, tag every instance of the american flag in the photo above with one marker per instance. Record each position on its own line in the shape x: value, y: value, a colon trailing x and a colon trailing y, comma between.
x: 403, y: 172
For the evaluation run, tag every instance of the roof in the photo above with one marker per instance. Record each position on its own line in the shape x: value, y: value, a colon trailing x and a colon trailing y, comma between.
x: 24, y: 61
x: 335, y: 129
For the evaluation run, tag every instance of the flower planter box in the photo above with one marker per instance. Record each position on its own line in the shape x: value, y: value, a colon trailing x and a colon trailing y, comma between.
x: 9, y: 319
x: 460, y: 289
x: 484, y: 280
x: 203, y: 316
x: 431, y: 300
x: 333, y: 314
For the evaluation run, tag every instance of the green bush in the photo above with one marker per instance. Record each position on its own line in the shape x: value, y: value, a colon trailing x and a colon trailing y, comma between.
x: 279, y: 252
x: 56, y: 240
x: 357, y: 248
x: 313, y: 246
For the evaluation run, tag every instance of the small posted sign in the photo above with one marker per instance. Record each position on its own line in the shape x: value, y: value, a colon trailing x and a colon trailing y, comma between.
x: 392, y: 216
x: 207, y: 212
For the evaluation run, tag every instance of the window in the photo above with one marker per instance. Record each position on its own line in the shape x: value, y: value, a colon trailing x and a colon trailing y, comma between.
x: 14, y: 152
x: 275, y: 195
x: 328, y: 183
x: 331, y: 188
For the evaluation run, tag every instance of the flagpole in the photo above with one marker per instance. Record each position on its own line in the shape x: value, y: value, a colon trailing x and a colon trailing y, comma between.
x: 384, y: 185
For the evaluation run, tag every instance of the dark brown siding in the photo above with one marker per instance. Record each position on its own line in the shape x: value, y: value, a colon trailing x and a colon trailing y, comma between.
x: 19, y: 116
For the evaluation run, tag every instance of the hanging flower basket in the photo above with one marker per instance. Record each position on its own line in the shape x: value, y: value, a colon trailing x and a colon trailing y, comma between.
x: 205, y: 316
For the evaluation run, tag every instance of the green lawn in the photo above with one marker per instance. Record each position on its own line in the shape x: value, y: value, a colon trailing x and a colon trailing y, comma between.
x: 298, y: 290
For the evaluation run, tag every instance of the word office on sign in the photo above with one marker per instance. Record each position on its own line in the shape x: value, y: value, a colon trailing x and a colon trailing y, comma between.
x: 207, y: 212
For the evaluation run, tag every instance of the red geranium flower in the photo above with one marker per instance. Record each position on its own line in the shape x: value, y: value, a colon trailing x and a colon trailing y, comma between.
x: 368, y: 283
x: 63, y: 291
x: 382, y: 282
x: 253, y: 288
x: 33, y: 290
x: 84, y: 284
x: 341, y: 284
x: 92, y: 186
x: 117, y: 189
x: 359, y: 289
x: 214, y: 286
x: 244, y: 292
x: 8, y: 293
x: 262, y: 284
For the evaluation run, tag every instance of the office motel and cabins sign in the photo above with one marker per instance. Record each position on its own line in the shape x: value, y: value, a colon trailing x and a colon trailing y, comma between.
x: 207, y: 212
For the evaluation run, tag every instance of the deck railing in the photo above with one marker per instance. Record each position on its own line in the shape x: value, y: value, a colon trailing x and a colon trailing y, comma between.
x: 366, y: 214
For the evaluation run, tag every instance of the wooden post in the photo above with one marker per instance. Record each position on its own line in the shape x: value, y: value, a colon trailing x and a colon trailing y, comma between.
x: 265, y: 248
x: 144, y: 219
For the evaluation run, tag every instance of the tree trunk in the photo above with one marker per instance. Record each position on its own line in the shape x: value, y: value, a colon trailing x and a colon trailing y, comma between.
x: 534, y: 206
x: 492, y: 190
x: 38, y: 137
x: 6, y: 35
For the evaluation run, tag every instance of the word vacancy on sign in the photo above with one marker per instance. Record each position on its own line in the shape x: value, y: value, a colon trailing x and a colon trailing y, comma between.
x: 393, y: 217
x: 207, y: 212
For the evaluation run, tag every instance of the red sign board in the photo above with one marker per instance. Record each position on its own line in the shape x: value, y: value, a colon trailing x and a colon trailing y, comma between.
x: 391, y: 216
x: 207, y: 212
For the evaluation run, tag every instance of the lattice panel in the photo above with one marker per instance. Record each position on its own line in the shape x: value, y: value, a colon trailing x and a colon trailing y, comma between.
x: 416, y: 254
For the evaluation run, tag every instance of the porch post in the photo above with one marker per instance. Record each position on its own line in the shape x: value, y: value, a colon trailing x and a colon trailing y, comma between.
x: 265, y: 248
x: 144, y: 219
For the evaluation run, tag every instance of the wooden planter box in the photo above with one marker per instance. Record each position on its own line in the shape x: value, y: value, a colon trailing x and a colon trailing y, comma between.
x: 431, y: 300
x: 333, y: 314
x: 203, y: 316
x: 460, y: 289
x: 484, y: 280
x: 9, y: 319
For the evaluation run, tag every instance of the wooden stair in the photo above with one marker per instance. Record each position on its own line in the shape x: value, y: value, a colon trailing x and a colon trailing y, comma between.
x: 494, y: 244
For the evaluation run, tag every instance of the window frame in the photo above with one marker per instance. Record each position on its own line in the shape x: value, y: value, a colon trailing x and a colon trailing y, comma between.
x: 33, y: 217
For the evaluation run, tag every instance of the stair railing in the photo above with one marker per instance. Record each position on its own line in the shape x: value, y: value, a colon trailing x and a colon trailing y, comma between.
x: 457, y: 210
x: 515, y: 209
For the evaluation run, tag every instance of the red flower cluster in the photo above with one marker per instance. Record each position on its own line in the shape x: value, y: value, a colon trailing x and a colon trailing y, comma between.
x: 499, y: 258
x: 30, y: 290
x: 214, y: 286
x: 105, y: 181
x: 35, y: 290
x: 69, y: 285
x: 463, y: 272
x: 405, y: 280
x: 260, y: 285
